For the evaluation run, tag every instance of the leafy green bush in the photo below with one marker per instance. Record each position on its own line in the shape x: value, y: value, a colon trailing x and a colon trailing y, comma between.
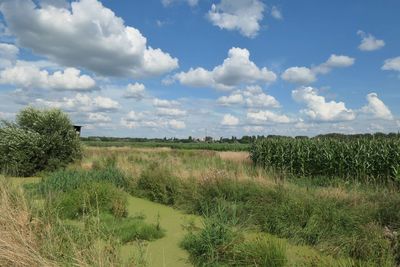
x: 20, y: 151
x: 89, y: 198
x: 39, y: 140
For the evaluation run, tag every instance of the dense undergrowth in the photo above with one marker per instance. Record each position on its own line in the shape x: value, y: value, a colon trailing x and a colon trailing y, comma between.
x: 358, y: 227
x: 364, y: 228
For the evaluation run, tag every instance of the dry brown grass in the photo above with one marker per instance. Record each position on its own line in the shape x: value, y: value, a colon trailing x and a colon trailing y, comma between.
x: 18, y: 243
x: 235, y: 156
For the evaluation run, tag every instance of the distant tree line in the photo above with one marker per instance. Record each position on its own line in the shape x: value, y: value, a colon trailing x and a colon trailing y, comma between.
x: 246, y: 139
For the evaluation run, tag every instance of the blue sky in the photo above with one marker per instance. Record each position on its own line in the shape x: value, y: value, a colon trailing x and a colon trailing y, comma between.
x: 183, y: 67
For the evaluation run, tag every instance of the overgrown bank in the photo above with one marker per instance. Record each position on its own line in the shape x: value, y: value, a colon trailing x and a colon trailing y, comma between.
x: 362, y: 227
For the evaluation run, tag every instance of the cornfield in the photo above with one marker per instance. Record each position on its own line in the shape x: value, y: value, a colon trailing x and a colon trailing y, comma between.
x: 362, y: 159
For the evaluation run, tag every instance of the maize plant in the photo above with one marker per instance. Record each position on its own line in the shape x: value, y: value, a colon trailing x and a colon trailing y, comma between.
x: 363, y: 159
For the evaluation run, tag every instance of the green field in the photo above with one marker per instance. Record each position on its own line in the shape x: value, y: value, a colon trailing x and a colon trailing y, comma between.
x: 174, y: 145
x: 212, y: 208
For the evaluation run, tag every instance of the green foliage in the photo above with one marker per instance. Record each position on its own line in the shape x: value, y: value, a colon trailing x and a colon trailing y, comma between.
x: 21, y: 151
x: 89, y: 198
x: 66, y: 180
x: 130, y: 228
x: 260, y: 251
x: 157, y: 184
x: 173, y: 145
x: 335, y: 225
x: 39, y: 140
x: 371, y: 160
x: 219, y: 243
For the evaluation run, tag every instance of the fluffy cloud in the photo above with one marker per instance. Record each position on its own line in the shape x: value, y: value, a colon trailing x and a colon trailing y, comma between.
x: 229, y: 120
x: 87, y: 35
x: 171, y: 112
x: 319, y: 109
x: 163, y: 103
x: 266, y: 116
x: 252, y: 96
x: 300, y: 75
x: 392, y: 64
x: 242, y: 15
x: 304, y: 75
x: 98, y: 118
x: 142, y: 119
x: 82, y: 103
x: 191, y: 3
x: 8, y: 54
x: 30, y: 76
x: 233, y: 99
x: 237, y: 69
x: 369, y: 42
x: 276, y: 13
x: 377, y: 108
x: 136, y: 91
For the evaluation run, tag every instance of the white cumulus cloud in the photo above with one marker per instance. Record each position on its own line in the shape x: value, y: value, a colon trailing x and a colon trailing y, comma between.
x: 369, y: 42
x: 81, y: 103
x: 237, y: 69
x: 300, y: 75
x: 305, y: 75
x: 164, y: 103
x: 242, y: 15
x: 319, y: 109
x: 252, y: 96
x: 136, y: 91
x: 229, y: 120
x: 98, y: 118
x: 8, y: 54
x: 86, y: 35
x: 171, y: 112
x: 392, y: 64
x: 28, y: 75
x: 266, y: 116
x: 377, y: 108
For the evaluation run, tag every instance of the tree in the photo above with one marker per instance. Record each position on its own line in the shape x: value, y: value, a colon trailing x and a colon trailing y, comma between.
x: 38, y: 140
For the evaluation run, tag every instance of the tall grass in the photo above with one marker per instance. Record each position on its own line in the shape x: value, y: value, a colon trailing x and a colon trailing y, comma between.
x: 35, y: 237
x: 342, y: 226
x: 221, y: 243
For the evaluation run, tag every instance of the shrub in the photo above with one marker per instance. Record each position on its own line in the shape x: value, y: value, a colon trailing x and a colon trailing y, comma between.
x: 88, y: 198
x: 20, y: 151
x: 39, y: 140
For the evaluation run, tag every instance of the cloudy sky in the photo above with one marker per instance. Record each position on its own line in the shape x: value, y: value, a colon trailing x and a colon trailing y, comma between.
x: 188, y: 67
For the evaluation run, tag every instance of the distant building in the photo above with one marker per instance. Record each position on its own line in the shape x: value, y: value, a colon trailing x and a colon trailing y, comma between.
x: 78, y: 129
